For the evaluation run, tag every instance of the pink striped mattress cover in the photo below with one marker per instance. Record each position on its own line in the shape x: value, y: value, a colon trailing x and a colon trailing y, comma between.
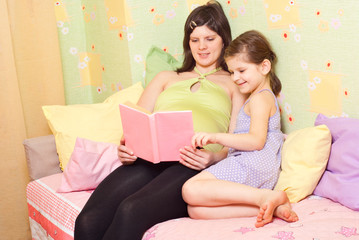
x: 320, y: 219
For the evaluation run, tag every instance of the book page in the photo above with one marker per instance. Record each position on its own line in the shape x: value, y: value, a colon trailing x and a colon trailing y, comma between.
x: 137, y: 132
x: 138, y: 108
x: 174, y: 131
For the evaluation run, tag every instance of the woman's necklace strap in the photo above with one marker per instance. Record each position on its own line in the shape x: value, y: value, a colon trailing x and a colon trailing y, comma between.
x: 203, y: 75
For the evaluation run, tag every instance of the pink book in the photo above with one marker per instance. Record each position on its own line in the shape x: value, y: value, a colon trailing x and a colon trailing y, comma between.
x: 156, y: 137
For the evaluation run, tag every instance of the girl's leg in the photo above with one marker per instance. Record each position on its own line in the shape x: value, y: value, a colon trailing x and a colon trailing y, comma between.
x: 98, y: 212
x: 283, y: 211
x: 206, y: 190
x: 160, y: 200
x: 219, y: 212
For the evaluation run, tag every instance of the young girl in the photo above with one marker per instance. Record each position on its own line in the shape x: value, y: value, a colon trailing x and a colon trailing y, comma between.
x: 240, y: 185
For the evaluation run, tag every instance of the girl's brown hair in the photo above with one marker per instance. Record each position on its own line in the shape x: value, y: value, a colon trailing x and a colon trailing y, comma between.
x: 257, y: 48
x: 212, y: 16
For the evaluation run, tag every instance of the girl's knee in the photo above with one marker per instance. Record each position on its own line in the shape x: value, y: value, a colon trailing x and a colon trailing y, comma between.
x: 189, y: 191
x: 193, y: 189
x: 194, y: 212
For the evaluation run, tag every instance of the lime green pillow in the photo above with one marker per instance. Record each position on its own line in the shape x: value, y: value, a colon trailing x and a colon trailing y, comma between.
x: 98, y: 122
x: 305, y: 154
x: 157, y: 61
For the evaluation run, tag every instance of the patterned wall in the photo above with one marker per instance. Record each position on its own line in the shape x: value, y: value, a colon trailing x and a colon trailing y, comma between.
x: 104, y: 45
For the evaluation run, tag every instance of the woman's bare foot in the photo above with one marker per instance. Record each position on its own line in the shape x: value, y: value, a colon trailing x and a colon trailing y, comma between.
x: 275, y: 203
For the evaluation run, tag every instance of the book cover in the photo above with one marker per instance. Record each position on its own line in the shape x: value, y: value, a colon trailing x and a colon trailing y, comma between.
x: 156, y: 137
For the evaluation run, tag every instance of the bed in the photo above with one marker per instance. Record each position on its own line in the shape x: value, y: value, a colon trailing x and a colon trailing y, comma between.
x: 52, y: 216
x: 320, y: 174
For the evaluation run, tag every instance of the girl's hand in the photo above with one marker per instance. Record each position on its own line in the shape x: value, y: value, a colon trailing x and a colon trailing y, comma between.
x: 201, y: 139
x: 196, y: 159
x: 125, y: 154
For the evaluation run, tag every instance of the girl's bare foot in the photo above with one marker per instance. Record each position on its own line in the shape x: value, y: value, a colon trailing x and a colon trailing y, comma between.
x: 275, y: 203
x: 265, y: 215
x: 286, y: 213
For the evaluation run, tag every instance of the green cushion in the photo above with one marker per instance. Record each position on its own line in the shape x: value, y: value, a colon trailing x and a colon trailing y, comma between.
x: 157, y: 61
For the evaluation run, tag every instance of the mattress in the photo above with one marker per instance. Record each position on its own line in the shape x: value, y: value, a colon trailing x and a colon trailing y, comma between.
x: 52, y: 216
x: 53, y: 213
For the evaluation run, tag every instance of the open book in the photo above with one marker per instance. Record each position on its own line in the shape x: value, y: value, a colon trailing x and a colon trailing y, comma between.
x: 156, y: 137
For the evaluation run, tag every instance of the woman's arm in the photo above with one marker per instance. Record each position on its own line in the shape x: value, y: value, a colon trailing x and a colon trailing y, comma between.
x: 153, y: 90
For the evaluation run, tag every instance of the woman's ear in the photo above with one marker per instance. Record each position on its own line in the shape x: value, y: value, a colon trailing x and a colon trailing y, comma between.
x: 266, y: 66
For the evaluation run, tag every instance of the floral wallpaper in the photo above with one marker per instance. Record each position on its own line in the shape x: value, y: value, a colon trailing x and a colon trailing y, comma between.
x: 104, y: 45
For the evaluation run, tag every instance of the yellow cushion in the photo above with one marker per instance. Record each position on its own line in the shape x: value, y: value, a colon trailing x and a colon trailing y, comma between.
x: 98, y: 122
x: 305, y: 155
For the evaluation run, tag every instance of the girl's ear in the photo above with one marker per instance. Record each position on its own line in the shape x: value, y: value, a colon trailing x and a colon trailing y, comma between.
x: 266, y: 66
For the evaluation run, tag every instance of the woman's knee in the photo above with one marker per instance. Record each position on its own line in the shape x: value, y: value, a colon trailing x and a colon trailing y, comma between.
x: 81, y: 220
x: 128, y: 210
x: 84, y: 223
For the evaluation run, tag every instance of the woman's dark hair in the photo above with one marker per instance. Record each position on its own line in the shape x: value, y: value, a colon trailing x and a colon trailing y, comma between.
x: 212, y: 16
x: 257, y: 48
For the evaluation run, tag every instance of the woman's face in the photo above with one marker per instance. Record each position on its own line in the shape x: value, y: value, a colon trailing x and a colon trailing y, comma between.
x: 206, y: 47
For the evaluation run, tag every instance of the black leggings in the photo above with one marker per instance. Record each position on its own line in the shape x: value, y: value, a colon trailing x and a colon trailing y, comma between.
x: 132, y: 199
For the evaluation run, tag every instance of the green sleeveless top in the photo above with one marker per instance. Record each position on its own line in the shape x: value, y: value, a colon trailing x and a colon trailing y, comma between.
x: 210, y: 104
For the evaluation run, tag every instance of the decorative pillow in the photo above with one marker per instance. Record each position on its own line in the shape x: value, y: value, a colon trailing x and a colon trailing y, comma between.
x: 89, y: 164
x: 157, y: 61
x: 98, y: 122
x: 340, y: 181
x: 41, y: 156
x: 131, y: 94
x: 305, y: 155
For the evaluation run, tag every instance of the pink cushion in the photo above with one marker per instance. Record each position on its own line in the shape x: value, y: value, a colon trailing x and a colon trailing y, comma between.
x: 89, y: 164
x: 340, y: 181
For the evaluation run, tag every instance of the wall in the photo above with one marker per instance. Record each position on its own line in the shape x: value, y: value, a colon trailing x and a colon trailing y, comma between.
x: 314, y: 42
x: 30, y: 76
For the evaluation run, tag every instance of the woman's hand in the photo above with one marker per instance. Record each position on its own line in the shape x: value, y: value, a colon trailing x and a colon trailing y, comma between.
x: 201, y: 139
x: 197, y: 159
x: 125, y: 154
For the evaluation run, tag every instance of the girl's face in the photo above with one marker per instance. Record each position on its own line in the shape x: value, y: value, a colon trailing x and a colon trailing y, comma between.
x: 249, y: 77
x: 206, y: 47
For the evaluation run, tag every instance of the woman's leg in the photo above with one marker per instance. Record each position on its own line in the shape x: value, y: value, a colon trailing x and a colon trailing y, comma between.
x: 158, y: 201
x: 98, y: 212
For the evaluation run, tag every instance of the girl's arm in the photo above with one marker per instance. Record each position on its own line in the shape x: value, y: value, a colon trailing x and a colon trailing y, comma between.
x: 238, y: 100
x: 261, y: 107
x: 199, y: 159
